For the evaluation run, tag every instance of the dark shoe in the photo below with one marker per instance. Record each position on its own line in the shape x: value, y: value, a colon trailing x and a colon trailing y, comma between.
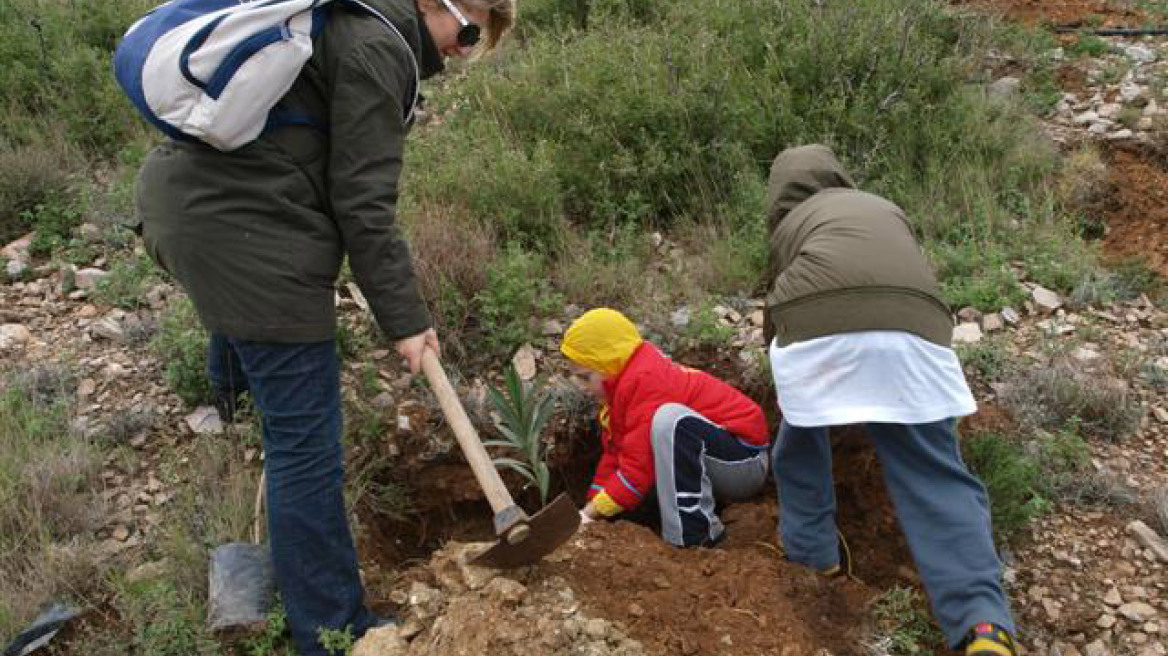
x: 987, y: 639
x: 844, y: 566
x: 226, y: 403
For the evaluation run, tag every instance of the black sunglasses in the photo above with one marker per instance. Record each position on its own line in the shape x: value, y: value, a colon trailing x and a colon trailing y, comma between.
x: 469, y: 33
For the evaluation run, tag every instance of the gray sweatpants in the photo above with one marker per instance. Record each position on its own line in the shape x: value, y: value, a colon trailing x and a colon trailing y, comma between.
x: 943, y: 510
x: 699, y: 463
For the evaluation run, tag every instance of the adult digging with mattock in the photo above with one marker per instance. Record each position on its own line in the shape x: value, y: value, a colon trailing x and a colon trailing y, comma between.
x: 256, y: 237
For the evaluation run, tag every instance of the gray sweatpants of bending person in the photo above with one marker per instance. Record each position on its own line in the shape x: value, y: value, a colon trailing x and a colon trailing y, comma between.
x: 698, y: 464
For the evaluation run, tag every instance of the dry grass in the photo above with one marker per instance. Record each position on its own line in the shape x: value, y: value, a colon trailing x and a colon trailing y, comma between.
x: 452, y: 252
x: 1052, y: 396
x: 49, y: 501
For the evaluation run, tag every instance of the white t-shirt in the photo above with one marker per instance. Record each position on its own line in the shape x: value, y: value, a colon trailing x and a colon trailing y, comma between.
x: 873, y: 376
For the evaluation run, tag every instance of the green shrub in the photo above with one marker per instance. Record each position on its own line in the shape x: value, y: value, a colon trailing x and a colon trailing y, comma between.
x: 28, y: 177
x: 181, y: 344
x: 616, y: 124
x: 1013, y: 480
x: 130, y: 277
x: 53, y: 221
x: 1088, y: 46
x: 516, y: 296
x: 903, y: 626
x: 56, y: 83
x: 988, y: 358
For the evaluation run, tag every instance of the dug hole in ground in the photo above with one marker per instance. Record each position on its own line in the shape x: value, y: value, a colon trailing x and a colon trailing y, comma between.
x: 617, y: 588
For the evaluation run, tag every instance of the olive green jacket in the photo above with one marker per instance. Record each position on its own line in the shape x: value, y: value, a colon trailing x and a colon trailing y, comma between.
x: 842, y: 260
x: 256, y: 236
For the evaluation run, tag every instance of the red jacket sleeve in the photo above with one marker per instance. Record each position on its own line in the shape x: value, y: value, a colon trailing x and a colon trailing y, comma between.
x: 605, y: 467
x: 634, y: 475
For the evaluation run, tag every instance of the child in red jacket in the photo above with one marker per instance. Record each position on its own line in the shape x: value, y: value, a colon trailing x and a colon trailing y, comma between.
x: 686, y: 434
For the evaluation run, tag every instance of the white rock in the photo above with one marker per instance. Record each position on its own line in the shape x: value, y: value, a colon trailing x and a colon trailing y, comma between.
x: 1099, y: 128
x: 1137, y: 611
x: 13, y: 334
x: 680, y: 317
x: 1149, y: 538
x: 524, y: 362
x: 1005, y: 87
x: 15, y: 267
x: 108, y: 327
x: 1140, y: 54
x: 1120, y: 135
x: 1084, y: 354
x: 1105, y: 621
x: 205, y: 419
x: 992, y: 322
x: 552, y: 327
x: 1011, y: 316
x: 967, y: 333
x: 1096, y: 648
x: 18, y: 249
x: 87, y: 279
x: 1129, y: 91
x: 1086, y: 118
x: 1045, y: 299
x: 1160, y: 413
x: 1109, y: 111
x: 1112, y: 598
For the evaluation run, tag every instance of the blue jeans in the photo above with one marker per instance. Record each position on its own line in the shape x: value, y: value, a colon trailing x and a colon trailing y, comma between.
x: 943, y: 511
x: 297, y: 389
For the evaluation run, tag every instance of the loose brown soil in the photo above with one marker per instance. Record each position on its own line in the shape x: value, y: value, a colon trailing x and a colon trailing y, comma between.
x: 1137, y: 209
x: 1065, y: 13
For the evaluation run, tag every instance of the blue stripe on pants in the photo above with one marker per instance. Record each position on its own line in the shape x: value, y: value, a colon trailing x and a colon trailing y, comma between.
x: 942, y: 508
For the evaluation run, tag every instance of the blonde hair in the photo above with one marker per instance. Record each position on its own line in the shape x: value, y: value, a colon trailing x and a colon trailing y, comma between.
x: 502, y: 18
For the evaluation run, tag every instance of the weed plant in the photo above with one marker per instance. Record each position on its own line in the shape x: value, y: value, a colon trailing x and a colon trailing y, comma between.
x: 902, y: 625
x: 181, y: 344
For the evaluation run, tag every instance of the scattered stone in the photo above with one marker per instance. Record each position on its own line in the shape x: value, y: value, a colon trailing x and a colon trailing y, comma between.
x: 1137, y: 611
x: 146, y: 571
x: 87, y: 279
x: 992, y: 322
x: 680, y: 317
x: 969, y: 314
x: 1086, y: 118
x: 1084, y: 354
x: 383, y: 641
x: 1120, y: 135
x: 1129, y: 91
x: 1160, y: 413
x: 15, y: 268
x: 1106, y: 621
x: 1140, y: 54
x: 501, y: 588
x: 1096, y: 648
x: 204, y: 420
x: 552, y: 327
x: 121, y: 533
x: 108, y: 327
x: 1150, y: 539
x: 1011, y: 316
x: 1112, y: 598
x: 1004, y: 88
x: 967, y: 333
x: 13, y: 334
x: 524, y: 362
x: 89, y: 232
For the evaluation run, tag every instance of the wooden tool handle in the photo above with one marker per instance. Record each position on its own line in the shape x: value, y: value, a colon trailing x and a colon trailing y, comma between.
x: 468, y: 438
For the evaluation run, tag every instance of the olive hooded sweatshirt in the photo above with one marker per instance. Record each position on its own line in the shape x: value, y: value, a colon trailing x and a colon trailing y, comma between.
x: 842, y: 260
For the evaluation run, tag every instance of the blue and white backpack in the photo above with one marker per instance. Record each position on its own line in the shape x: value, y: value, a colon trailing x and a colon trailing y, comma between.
x: 212, y: 70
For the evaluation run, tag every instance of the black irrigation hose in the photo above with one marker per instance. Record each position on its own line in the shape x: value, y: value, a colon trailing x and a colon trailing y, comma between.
x: 1117, y: 31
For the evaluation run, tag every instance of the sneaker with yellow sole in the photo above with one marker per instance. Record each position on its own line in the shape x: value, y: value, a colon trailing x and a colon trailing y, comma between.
x: 987, y: 639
